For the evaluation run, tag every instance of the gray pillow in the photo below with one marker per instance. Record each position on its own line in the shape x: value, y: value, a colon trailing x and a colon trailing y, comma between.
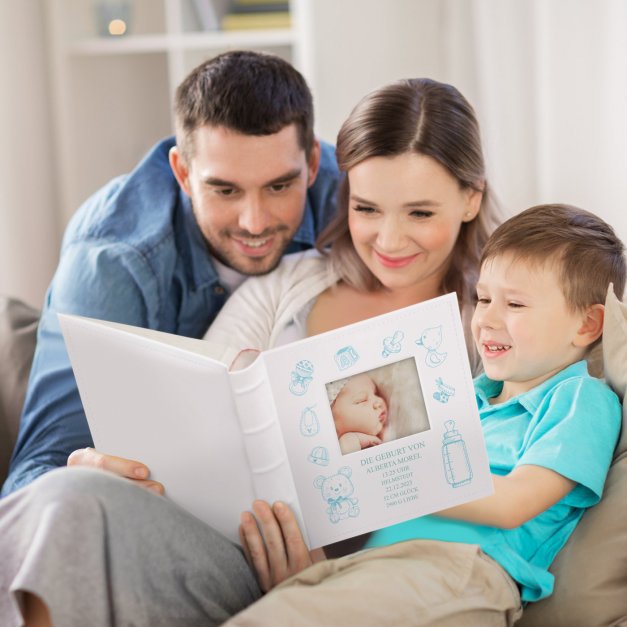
x: 591, y: 570
x: 18, y: 329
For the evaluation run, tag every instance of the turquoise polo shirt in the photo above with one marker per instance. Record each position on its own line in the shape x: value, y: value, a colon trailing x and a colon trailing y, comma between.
x: 569, y: 424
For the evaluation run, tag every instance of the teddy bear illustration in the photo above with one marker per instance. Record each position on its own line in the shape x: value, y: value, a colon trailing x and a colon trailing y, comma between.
x: 336, y: 491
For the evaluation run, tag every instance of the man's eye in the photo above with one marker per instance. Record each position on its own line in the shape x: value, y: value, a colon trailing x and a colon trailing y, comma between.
x: 225, y: 191
x: 279, y: 187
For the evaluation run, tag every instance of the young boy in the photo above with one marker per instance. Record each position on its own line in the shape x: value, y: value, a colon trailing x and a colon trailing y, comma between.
x: 550, y: 430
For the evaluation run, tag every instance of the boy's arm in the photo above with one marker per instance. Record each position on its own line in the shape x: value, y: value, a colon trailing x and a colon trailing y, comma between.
x: 519, y: 496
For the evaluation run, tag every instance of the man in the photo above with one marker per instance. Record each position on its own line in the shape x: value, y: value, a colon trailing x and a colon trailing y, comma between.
x: 162, y: 247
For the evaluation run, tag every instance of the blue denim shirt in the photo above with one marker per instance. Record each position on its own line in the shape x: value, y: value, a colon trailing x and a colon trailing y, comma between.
x: 133, y: 253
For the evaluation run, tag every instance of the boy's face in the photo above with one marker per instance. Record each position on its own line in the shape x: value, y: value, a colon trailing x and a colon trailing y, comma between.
x: 522, y: 326
x: 248, y: 192
x: 359, y: 407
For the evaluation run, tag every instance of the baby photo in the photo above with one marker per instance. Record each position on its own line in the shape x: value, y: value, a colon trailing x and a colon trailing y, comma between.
x: 377, y: 406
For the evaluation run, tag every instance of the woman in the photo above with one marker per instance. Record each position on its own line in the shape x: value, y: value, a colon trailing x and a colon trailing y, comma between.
x: 414, y: 213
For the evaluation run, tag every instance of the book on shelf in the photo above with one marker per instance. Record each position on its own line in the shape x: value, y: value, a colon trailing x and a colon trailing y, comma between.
x: 256, y: 20
x: 287, y: 426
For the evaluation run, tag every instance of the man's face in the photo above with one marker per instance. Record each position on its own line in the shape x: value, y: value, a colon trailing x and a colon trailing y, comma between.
x: 248, y: 193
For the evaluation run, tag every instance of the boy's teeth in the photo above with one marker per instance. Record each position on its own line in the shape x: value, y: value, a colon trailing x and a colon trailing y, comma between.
x: 500, y: 347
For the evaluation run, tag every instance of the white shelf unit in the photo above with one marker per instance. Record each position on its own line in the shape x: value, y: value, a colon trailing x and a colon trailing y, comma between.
x: 113, y: 95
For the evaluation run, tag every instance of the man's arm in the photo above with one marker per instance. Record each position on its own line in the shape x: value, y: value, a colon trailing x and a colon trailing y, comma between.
x: 105, y: 281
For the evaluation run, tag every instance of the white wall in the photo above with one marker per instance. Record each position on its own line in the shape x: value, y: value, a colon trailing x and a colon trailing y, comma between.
x: 29, y: 231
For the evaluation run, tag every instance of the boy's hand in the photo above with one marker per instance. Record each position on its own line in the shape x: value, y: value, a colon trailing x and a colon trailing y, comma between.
x: 273, y: 544
x: 130, y: 469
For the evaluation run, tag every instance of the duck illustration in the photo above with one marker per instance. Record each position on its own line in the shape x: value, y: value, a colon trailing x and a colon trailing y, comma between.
x: 431, y: 339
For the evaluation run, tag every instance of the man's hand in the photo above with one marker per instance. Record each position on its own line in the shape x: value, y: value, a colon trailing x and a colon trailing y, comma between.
x: 136, y: 471
x: 273, y: 544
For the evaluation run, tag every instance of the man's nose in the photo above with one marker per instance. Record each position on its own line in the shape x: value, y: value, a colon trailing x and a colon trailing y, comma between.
x: 254, y: 218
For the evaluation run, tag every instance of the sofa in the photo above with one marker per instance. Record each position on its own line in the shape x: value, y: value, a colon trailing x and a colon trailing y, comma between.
x: 590, y: 571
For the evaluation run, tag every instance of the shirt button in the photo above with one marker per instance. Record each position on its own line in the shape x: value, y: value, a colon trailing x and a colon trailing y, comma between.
x: 218, y: 289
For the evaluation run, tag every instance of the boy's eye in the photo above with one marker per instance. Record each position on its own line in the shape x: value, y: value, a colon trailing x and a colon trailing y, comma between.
x: 516, y: 305
x: 483, y: 300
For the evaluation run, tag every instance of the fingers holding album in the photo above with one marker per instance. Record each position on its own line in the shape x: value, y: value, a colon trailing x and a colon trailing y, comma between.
x: 273, y: 543
x: 130, y: 469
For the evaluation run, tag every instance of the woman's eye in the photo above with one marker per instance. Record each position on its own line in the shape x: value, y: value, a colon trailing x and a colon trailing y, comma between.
x: 364, y: 209
x: 421, y: 213
x: 483, y: 300
x: 516, y: 305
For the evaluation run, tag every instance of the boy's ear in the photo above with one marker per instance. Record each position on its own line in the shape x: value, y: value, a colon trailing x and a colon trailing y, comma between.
x: 592, y: 326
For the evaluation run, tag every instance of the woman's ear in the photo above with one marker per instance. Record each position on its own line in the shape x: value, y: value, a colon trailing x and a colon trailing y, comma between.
x: 592, y: 326
x: 473, y: 204
x: 179, y: 168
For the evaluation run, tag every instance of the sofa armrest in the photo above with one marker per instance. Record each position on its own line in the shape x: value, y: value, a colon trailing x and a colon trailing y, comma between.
x: 18, y: 331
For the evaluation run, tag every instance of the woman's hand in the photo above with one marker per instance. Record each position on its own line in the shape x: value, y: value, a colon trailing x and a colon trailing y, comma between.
x: 136, y: 471
x: 273, y: 543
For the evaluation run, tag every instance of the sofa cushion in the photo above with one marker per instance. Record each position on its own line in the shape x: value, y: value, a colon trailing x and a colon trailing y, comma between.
x: 591, y: 570
x: 18, y: 330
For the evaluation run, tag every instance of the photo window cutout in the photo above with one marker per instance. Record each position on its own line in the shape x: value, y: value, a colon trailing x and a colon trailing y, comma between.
x: 377, y: 406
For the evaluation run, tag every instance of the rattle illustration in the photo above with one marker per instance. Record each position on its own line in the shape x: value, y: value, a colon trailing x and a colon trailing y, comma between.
x: 392, y: 344
x: 302, y: 376
x: 431, y: 339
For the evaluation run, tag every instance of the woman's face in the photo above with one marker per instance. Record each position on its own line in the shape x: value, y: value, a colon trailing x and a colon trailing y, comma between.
x: 405, y: 213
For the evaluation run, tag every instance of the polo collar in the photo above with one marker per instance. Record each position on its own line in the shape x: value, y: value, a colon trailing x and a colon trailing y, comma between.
x: 486, y: 388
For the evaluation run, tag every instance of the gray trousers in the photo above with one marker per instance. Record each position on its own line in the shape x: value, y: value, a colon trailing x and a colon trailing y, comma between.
x: 101, y: 551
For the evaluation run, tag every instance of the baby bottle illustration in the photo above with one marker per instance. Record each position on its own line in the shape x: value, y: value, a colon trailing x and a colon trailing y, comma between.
x: 455, y: 456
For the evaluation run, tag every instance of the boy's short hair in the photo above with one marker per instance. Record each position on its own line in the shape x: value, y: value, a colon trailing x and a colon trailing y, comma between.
x: 585, y: 250
x: 252, y: 93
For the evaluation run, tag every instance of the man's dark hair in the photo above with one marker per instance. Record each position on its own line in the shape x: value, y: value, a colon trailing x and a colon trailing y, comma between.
x: 248, y: 92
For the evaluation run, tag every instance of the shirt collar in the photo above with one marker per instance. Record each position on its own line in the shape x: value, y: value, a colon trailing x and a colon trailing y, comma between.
x: 486, y: 388
x: 306, y: 233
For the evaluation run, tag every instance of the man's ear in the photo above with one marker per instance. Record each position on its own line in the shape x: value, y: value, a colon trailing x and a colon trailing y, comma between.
x: 179, y: 168
x: 592, y: 326
x: 313, y: 164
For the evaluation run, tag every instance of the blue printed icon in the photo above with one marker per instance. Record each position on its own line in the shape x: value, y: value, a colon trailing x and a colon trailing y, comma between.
x: 392, y: 344
x: 346, y: 357
x: 444, y: 391
x: 455, y: 457
x: 309, y: 424
x: 302, y: 376
x: 319, y: 456
x: 431, y: 339
x: 337, y: 491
